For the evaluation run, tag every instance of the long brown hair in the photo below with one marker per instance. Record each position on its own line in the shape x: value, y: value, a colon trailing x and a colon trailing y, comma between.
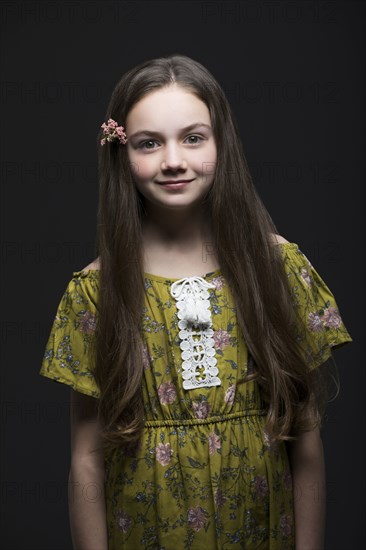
x: 251, y: 264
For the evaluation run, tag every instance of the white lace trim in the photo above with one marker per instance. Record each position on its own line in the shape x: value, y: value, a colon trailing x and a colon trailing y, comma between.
x: 197, y: 345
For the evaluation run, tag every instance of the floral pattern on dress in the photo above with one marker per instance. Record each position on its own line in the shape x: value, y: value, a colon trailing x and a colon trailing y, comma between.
x: 69, y: 354
x: 321, y: 327
x: 205, y: 473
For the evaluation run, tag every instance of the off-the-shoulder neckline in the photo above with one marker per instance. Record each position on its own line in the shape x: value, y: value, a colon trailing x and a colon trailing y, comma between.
x: 160, y: 278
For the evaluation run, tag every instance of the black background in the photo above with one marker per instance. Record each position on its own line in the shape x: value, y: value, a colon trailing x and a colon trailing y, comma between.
x: 294, y: 74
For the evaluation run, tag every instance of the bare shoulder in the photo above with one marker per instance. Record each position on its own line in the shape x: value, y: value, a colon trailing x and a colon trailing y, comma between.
x: 93, y: 265
x: 277, y: 239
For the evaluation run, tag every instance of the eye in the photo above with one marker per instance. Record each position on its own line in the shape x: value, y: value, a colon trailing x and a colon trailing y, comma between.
x: 195, y: 136
x: 143, y: 143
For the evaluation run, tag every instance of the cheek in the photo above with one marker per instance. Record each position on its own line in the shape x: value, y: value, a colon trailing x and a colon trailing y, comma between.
x: 142, y: 167
x: 209, y: 154
x: 206, y: 164
x: 212, y: 153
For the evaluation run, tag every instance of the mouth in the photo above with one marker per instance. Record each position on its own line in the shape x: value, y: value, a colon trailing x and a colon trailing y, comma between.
x: 173, y: 182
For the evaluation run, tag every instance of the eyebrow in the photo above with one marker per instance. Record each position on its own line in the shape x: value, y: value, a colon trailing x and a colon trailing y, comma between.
x: 186, y: 129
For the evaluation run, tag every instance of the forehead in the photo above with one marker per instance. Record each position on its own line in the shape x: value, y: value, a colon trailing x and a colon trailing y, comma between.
x: 173, y: 106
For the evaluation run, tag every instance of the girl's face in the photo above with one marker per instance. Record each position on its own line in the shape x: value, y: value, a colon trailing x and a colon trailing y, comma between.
x: 170, y: 138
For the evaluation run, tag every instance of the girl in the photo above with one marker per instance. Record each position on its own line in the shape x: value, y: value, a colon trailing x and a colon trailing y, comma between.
x: 191, y: 344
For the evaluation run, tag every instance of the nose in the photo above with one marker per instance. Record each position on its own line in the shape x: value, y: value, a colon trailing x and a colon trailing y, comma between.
x: 173, y: 158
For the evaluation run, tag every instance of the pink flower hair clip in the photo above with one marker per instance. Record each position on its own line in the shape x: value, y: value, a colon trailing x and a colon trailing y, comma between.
x: 113, y: 132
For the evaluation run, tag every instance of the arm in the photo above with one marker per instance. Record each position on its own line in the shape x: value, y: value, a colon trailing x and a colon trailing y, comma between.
x: 308, y: 472
x: 87, y: 511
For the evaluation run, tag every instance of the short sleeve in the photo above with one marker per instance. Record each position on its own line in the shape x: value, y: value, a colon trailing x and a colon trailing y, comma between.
x: 320, y: 328
x: 69, y: 357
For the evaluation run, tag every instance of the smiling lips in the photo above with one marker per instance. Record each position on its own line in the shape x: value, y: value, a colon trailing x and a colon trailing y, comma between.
x: 173, y: 181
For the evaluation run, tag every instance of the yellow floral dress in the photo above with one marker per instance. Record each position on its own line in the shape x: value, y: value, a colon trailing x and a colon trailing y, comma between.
x: 205, y: 474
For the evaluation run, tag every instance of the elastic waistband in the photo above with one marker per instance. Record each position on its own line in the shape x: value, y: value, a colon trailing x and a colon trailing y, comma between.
x: 209, y: 420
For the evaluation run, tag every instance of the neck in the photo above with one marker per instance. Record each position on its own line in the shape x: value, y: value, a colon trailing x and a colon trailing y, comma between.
x: 175, y: 227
